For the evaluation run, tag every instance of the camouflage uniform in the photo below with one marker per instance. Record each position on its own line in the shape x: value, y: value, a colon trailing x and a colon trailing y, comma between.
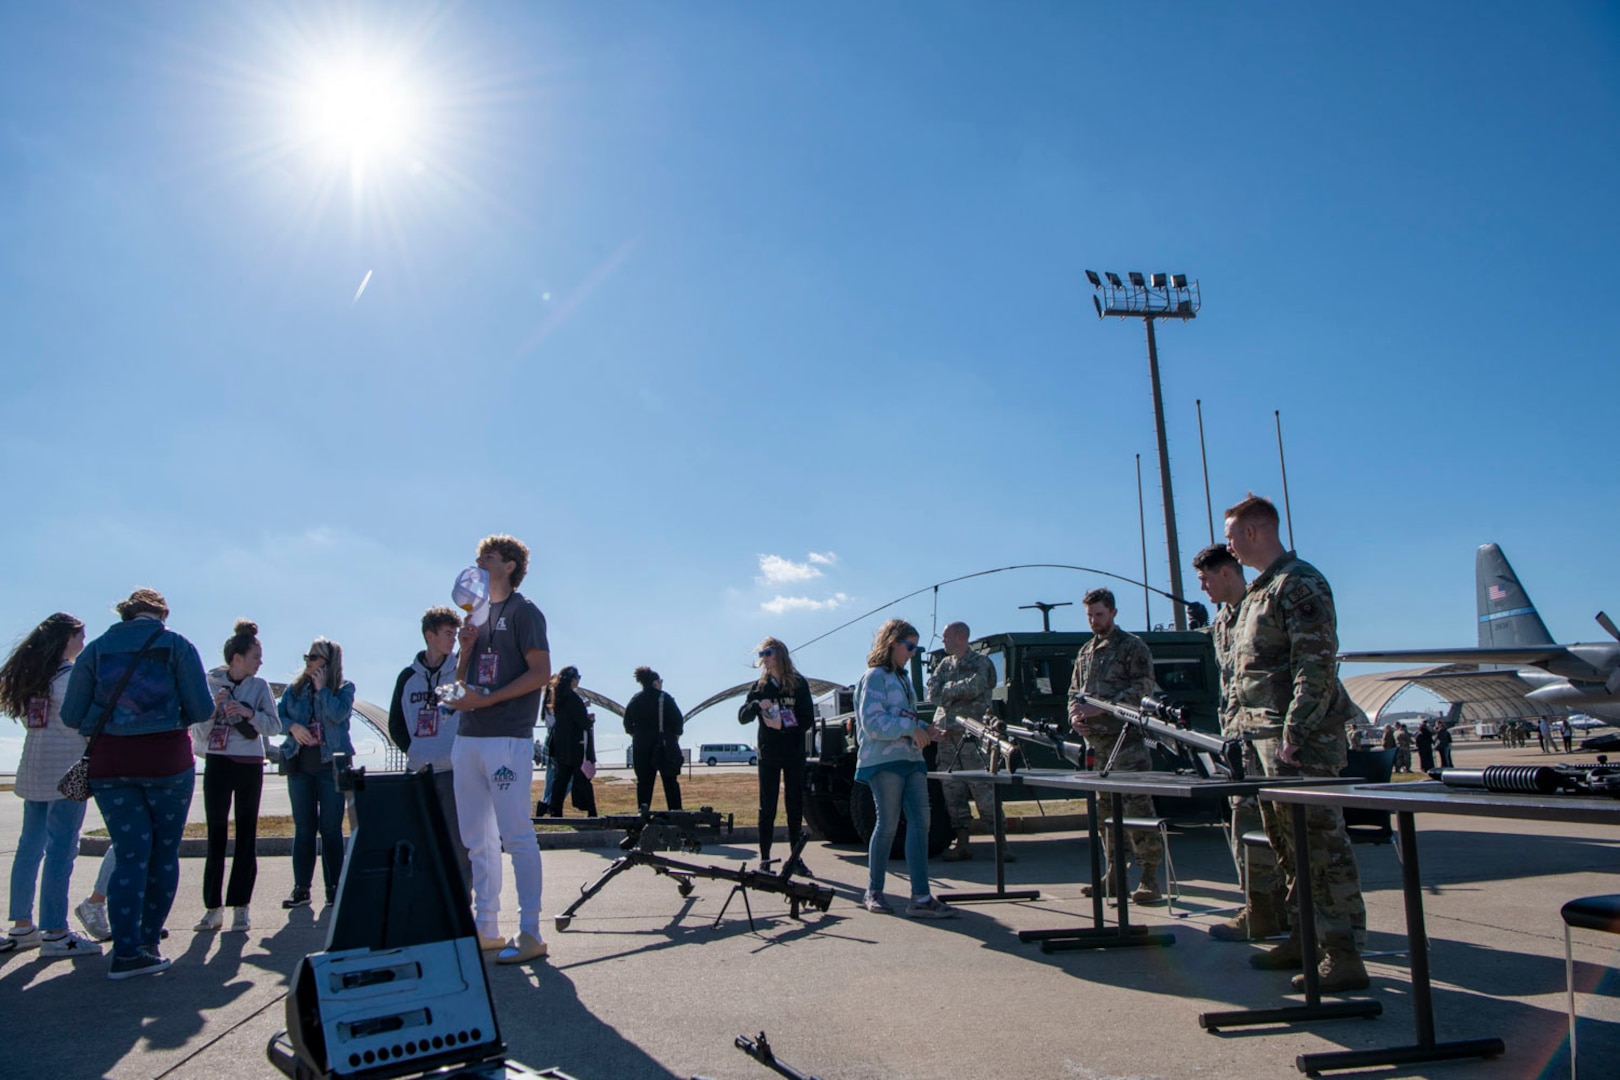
x: 1257, y: 871
x: 1285, y: 688
x: 1118, y: 667
x: 961, y: 687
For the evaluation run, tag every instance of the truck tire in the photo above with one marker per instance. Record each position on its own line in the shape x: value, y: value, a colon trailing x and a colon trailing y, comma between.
x: 863, y: 811
x: 827, y: 822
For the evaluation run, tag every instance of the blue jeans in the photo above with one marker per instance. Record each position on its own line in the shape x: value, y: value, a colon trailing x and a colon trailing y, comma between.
x: 50, y: 831
x: 551, y: 778
x: 146, y: 817
x: 317, y: 805
x: 891, y: 791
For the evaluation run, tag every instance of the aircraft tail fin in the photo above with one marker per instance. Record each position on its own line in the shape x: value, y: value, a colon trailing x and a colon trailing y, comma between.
x: 1507, y: 618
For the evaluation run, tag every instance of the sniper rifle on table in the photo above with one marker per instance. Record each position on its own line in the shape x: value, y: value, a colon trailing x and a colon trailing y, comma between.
x: 999, y: 748
x: 652, y: 832
x: 1059, y: 738
x: 1165, y: 724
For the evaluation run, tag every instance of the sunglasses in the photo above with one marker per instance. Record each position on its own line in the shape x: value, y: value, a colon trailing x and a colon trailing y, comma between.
x: 765, y: 654
x: 911, y: 646
x: 311, y: 657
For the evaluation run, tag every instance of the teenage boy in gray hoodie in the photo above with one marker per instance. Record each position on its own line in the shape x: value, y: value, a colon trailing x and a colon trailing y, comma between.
x: 424, y: 730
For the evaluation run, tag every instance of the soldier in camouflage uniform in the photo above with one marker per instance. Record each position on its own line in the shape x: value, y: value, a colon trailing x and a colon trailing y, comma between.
x: 1286, y: 694
x: 960, y: 685
x: 1117, y: 666
x: 1221, y: 577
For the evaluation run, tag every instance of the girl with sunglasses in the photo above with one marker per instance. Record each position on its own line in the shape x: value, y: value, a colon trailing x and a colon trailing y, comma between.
x: 780, y: 701
x: 315, y: 710
x: 889, y: 759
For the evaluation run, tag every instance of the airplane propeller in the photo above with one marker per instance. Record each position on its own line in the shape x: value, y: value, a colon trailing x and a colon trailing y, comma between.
x: 1613, y: 682
x: 1608, y: 624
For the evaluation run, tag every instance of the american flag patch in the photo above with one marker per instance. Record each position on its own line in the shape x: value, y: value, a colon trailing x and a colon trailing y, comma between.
x: 1498, y: 593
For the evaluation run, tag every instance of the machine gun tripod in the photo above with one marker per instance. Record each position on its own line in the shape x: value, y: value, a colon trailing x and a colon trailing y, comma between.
x: 651, y: 833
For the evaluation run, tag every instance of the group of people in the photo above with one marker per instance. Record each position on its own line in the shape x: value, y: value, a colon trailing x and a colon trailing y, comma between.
x: 135, y: 708
x: 466, y: 709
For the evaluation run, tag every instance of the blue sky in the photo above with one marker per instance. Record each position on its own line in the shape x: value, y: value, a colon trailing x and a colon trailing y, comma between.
x: 667, y: 289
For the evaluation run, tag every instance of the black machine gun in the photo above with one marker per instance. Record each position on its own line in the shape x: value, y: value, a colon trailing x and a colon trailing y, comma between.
x: 1601, y: 778
x: 652, y: 832
x: 759, y: 1048
x: 656, y: 830
x: 1165, y: 724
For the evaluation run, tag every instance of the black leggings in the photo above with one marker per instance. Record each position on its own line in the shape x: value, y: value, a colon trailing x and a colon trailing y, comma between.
x: 223, y: 780
x: 653, y: 759
x: 789, y: 772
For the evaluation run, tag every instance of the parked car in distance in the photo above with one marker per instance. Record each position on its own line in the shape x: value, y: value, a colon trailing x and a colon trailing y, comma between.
x: 729, y: 753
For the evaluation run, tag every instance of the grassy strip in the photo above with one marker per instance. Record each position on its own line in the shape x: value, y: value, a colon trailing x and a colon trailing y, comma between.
x: 732, y: 792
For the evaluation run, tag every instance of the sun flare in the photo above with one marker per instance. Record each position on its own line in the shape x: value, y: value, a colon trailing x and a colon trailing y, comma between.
x: 358, y: 110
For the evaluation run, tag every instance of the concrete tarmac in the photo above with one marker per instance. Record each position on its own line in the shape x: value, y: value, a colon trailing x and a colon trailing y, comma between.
x: 641, y: 986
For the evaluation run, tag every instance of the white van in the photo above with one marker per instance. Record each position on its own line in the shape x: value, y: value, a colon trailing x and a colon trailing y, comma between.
x: 715, y: 753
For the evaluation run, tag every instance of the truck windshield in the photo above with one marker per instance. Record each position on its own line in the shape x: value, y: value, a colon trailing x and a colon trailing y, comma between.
x: 1179, y: 677
x: 1047, y: 677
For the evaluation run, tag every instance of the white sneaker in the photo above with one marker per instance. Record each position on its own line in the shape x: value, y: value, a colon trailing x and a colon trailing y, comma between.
x: 521, y: 949
x: 69, y: 946
x: 18, y: 941
x: 212, y: 919
x: 239, y: 920
x: 93, y: 917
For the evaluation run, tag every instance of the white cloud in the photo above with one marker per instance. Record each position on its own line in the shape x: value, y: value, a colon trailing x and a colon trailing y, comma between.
x: 779, y: 605
x: 820, y: 558
x: 775, y: 570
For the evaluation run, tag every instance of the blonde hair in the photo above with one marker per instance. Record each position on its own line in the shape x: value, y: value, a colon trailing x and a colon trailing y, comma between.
x: 334, y: 666
x: 883, y: 644
x: 789, y: 675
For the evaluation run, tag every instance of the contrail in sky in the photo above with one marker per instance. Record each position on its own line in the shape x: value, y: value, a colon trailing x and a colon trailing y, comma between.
x: 363, y: 282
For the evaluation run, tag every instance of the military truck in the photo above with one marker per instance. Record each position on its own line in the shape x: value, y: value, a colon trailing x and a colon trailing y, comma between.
x: 1032, y: 682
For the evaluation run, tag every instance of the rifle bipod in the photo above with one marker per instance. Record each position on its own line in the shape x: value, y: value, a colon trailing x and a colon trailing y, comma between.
x: 799, y: 893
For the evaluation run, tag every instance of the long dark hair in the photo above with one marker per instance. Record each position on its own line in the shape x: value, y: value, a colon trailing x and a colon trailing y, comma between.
x: 28, y: 671
x: 565, y: 681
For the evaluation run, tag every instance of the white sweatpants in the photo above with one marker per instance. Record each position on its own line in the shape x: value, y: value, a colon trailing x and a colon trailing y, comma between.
x: 493, y: 778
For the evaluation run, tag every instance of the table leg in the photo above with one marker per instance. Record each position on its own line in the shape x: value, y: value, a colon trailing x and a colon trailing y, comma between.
x: 999, y: 831
x: 1417, y: 941
x: 1313, y: 1009
x: 1122, y: 935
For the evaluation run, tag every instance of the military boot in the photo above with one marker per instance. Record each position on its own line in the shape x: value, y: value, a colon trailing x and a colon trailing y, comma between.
x: 1340, y: 971
x: 1284, y: 957
x: 1147, y: 891
x: 961, y: 852
x: 1237, y: 928
x: 1107, y: 887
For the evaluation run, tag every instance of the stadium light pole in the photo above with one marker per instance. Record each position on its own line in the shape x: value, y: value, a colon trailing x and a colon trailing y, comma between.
x: 1150, y: 298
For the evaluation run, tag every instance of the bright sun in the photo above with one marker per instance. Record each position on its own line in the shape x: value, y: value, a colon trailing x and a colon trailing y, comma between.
x: 358, y: 110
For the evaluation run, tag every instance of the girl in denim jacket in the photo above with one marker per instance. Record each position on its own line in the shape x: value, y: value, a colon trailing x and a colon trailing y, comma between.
x: 315, y: 710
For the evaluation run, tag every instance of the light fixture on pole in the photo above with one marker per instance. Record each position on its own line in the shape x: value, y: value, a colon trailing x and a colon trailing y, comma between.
x: 1151, y: 297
